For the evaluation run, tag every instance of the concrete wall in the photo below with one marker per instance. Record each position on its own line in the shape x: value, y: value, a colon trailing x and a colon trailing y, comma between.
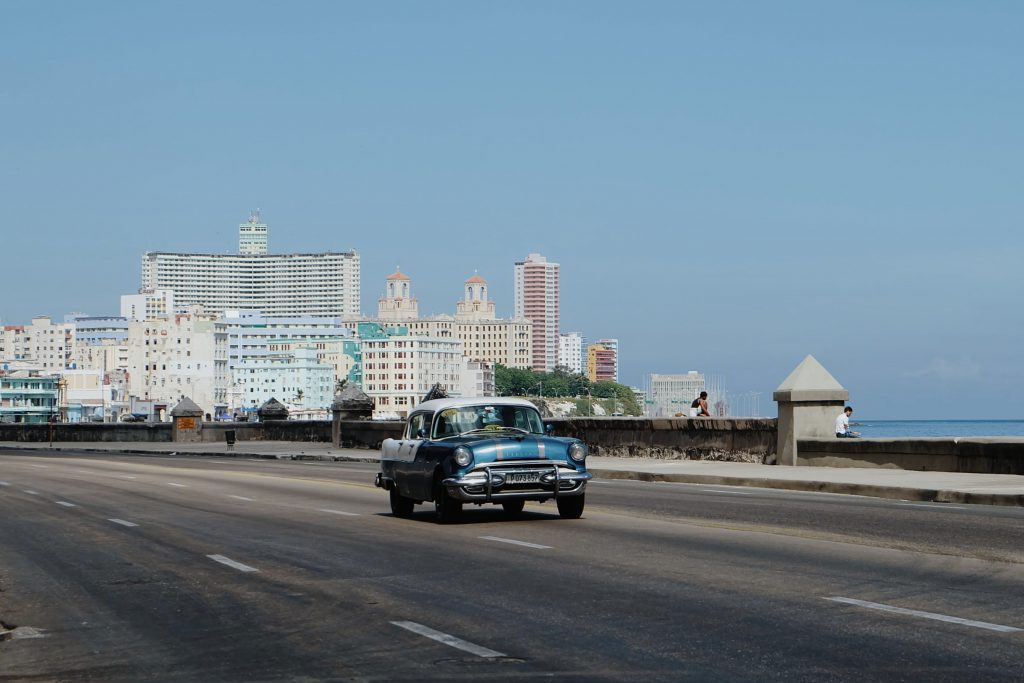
x: 733, y: 439
x: 978, y: 455
x: 77, y: 432
x: 749, y: 440
x: 354, y: 433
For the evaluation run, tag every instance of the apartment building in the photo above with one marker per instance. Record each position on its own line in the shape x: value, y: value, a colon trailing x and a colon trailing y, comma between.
x: 28, y: 397
x: 318, y: 284
x: 537, y: 299
x: 147, y: 304
x: 670, y: 395
x: 293, y: 375
x: 602, y: 365
x: 43, y: 345
x: 571, y: 352
x: 183, y: 355
x: 400, y: 368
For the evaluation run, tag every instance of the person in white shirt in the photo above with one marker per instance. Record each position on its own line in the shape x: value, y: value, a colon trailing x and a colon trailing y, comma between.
x: 843, y: 424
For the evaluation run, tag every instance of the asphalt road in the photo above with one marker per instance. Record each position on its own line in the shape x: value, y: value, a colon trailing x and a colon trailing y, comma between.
x: 130, y: 568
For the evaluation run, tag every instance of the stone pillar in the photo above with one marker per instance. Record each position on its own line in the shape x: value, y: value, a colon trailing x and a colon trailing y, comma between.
x: 187, y: 422
x: 350, y: 404
x: 272, y: 409
x: 809, y: 401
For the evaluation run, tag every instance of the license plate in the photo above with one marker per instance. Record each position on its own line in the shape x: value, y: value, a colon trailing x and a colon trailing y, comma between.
x: 522, y: 477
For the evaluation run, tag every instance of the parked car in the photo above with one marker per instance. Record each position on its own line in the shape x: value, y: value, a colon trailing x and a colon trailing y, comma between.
x: 482, y: 451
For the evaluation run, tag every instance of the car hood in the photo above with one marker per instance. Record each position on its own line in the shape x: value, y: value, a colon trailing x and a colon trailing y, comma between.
x: 519, y: 447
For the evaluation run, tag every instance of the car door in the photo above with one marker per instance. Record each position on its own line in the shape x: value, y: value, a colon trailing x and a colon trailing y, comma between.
x: 407, y: 470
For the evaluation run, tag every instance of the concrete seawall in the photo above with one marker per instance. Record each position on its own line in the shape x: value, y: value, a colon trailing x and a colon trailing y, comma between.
x: 980, y: 455
x: 728, y: 439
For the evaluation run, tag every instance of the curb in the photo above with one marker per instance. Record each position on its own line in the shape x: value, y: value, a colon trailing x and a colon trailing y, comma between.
x: 870, y: 490
x: 207, y: 454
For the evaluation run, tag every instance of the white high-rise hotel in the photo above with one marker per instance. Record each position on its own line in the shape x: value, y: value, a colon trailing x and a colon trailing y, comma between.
x: 537, y: 299
x: 320, y: 284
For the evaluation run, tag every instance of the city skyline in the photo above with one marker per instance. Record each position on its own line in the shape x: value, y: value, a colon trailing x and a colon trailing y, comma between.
x: 726, y: 188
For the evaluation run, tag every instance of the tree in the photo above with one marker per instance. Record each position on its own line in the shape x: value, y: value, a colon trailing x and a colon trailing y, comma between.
x: 561, y: 383
x: 514, y: 381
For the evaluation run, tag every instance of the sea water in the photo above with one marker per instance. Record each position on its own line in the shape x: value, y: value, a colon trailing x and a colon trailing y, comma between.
x: 885, y: 429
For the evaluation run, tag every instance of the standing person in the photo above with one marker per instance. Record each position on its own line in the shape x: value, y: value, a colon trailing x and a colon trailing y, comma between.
x: 843, y: 425
x: 699, y: 407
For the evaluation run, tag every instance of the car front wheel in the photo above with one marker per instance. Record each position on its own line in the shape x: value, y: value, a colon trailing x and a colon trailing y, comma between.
x: 447, y: 508
x: 571, y: 507
x: 400, y: 505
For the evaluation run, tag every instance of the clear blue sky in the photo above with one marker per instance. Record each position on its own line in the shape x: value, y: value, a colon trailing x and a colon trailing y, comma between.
x: 728, y: 186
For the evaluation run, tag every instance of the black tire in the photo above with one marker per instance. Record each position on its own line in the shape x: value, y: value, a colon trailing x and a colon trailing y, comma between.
x: 513, y: 507
x: 571, y: 507
x: 400, y: 505
x: 447, y: 508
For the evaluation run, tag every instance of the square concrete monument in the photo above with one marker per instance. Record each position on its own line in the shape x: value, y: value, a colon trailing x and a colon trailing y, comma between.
x: 809, y: 401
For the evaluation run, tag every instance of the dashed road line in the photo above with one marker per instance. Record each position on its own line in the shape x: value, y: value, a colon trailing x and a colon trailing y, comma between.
x: 340, y: 512
x: 926, y: 615
x: 449, y: 640
x: 122, y: 522
x: 125, y: 476
x: 41, y: 467
x: 734, y: 493
x: 515, y: 542
x: 181, y: 486
x: 932, y: 506
x: 32, y: 493
x: 65, y: 503
x: 4, y: 483
x: 242, y: 498
x: 231, y: 563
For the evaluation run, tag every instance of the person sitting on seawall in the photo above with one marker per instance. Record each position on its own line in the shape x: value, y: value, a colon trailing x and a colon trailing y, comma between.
x: 699, y: 407
x: 843, y: 425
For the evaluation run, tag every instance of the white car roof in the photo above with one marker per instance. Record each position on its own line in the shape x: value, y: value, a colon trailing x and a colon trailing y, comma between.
x: 439, y: 404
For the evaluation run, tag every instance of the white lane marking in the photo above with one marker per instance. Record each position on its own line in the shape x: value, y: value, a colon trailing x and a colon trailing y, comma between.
x: 125, y: 476
x: 448, y: 640
x: 514, y: 542
x: 931, y: 506
x: 121, y: 522
x: 41, y: 467
x: 340, y: 512
x: 735, y: 493
x: 180, y: 486
x: 65, y: 503
x: 32, y: 493
x: 4, y: 483
x: 231, y: 563
x: 242, y: 498
x: 926, y: 615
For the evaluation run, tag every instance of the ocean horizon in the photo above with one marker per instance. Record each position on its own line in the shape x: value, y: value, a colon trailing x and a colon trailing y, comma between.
x: 936, y: 428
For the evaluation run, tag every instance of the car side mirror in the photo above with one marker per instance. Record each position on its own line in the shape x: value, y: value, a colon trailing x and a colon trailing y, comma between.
x: 549, y: 429
x: 423, y: 433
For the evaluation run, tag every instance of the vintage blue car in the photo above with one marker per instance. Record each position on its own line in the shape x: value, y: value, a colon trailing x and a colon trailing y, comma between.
x: 481, y: 450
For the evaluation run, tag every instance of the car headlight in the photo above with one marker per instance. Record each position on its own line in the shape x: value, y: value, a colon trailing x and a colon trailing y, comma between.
x: 463, y: 456
x: 577, y: 452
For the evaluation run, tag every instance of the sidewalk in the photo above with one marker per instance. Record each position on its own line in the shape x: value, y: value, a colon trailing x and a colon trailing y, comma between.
x: 942, y: 487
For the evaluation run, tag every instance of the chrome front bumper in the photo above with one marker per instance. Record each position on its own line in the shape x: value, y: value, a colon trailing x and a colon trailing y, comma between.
x: 485, y: 485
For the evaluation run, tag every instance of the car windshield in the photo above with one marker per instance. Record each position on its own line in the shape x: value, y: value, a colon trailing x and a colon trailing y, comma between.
x: 484, y: 417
